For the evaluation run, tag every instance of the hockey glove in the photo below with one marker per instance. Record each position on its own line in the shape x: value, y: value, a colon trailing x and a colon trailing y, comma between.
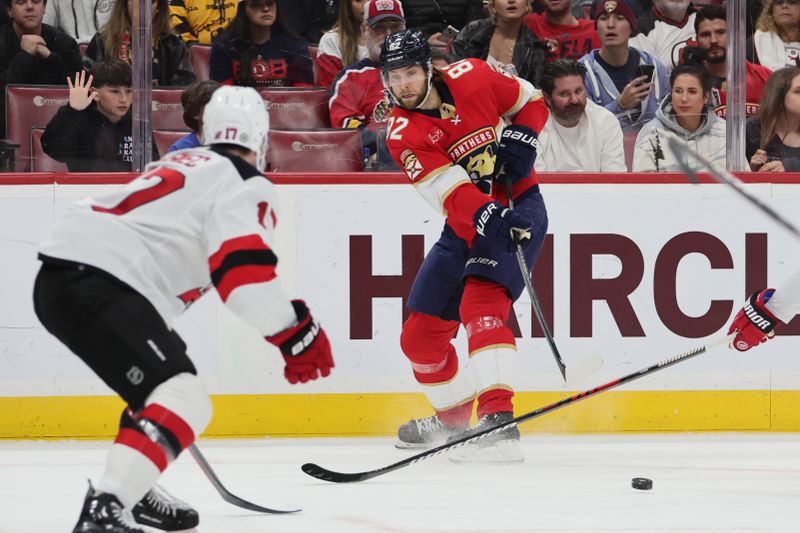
x: 754, y: 323
x: 517, y: 152
x: 494, y: 221
x: 305, y: 347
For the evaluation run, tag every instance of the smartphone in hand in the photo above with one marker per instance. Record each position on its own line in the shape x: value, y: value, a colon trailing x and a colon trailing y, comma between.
x: 645, y: 70
x: 448, y: 34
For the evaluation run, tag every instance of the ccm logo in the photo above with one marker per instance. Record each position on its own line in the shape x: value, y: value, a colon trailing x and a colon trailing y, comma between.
x: 519, y: 136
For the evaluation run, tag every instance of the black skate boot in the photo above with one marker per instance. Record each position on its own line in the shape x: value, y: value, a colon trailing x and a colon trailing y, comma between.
x: 501, y: 447
x: 161, y: 510
x: 103, y: 513
x: 425, y: 433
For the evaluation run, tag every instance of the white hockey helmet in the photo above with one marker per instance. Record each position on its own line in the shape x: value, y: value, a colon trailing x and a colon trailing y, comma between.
x: 237, y: 115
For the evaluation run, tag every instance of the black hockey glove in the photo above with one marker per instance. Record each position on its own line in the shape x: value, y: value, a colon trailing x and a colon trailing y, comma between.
x: 494, y: 221
x: 517, y: 152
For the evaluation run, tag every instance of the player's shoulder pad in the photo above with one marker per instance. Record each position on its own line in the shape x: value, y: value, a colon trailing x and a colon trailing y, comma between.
x: 245, y: 169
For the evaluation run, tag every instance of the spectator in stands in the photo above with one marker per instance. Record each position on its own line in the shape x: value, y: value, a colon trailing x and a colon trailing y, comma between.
x: 32, y: 52
x: 92, y: 132
x: 343, y: 45
x: 664, y: 30
x: 257, y: 51
x: 172, y: 65
x: 431, y: 18
x: 308, y: 19
x: 614, y: 78
x: 711, y: 27
x: 773, y: 136
x: 579, y: 136
x: 564, y: 36
x: 684, y: 116
x: 80, y: 19
x: 194, y: 99
x: 776, y: 41
x: 358, y: 99
x: 201, y: 21
x: 504, y: 41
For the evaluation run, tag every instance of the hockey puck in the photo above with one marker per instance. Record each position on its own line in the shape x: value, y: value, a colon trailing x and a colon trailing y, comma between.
x: 642, y: 483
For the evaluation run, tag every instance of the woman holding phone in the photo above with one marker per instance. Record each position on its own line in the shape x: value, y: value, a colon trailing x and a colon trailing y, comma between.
x: 504, y: 41
x: 628, y: 82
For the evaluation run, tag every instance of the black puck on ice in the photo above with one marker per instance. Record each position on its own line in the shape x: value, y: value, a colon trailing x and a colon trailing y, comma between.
x: 642, y: 483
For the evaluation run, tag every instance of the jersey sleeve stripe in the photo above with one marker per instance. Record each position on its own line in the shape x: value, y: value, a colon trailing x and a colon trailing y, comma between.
x: 241, y: 261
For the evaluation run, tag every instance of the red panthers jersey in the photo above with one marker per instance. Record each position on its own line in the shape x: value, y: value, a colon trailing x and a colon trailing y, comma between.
x: 440, y: 150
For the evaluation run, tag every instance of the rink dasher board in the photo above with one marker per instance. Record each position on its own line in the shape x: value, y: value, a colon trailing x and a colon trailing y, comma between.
x: 327, y: 232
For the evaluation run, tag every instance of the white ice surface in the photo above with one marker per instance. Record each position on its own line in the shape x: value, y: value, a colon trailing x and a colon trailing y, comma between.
x: 702, y: 482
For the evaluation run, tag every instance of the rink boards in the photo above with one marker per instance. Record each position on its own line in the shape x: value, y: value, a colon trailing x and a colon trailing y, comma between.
x: 635, y: 269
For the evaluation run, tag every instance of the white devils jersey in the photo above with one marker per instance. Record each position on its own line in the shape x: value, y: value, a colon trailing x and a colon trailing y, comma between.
x: 194, y: 218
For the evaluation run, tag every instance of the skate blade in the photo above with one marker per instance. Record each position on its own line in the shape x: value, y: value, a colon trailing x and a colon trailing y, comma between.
x: 400, y: 445
x: 502, y: 452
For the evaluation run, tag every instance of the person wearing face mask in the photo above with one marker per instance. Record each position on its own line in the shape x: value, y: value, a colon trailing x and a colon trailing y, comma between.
x: 685, y: 115
x: 504, y: 41
x: 776, y: 41
x: 664, y: 30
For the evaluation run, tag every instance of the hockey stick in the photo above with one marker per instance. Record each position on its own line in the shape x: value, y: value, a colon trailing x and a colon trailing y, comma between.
x: 585, y: 367
x: 225, y: 493
x: 723, y: 176
x: 343, y: 477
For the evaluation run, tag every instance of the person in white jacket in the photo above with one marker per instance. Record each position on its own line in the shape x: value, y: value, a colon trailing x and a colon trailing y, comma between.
x: 684, y: 115
x: 579, y: 136
x: 80, y: 19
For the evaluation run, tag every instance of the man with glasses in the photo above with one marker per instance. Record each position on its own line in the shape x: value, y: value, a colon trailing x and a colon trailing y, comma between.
x: 358, y: 99
x: 32, y: 52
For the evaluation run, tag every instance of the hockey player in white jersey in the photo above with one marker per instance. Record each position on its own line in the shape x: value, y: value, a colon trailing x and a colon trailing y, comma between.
x: 117, y: 270
x: 756, y: 321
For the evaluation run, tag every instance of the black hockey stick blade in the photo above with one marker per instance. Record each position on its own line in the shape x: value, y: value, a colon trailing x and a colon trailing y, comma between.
x: 325, y: 474
x: 225, y: 493
x: 725, y: 177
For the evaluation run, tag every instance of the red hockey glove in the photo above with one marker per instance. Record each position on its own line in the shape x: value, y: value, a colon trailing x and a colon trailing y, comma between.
x: 305, y: 347
x: 492, y: 220
x: 754, y: 323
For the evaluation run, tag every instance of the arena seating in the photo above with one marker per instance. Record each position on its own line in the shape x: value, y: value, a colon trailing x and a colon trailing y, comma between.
x: 201, y: 61
x: 40, y: 161
x: 322, y: 150
x: 166, y: 138
x: 297, y: 107
x: 29, y: 107
x: 628, y: 143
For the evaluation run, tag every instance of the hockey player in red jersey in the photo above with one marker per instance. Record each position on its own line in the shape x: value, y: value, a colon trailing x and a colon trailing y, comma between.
x: 116, y: 272
x: 756, y: 321
x: 447, y: 133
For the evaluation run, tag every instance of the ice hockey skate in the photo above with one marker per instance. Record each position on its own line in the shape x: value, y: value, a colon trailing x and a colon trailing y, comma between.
x: 103, y: 513
x: 161, y: 510
x: 425, y: 433
x: 500, y: 448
